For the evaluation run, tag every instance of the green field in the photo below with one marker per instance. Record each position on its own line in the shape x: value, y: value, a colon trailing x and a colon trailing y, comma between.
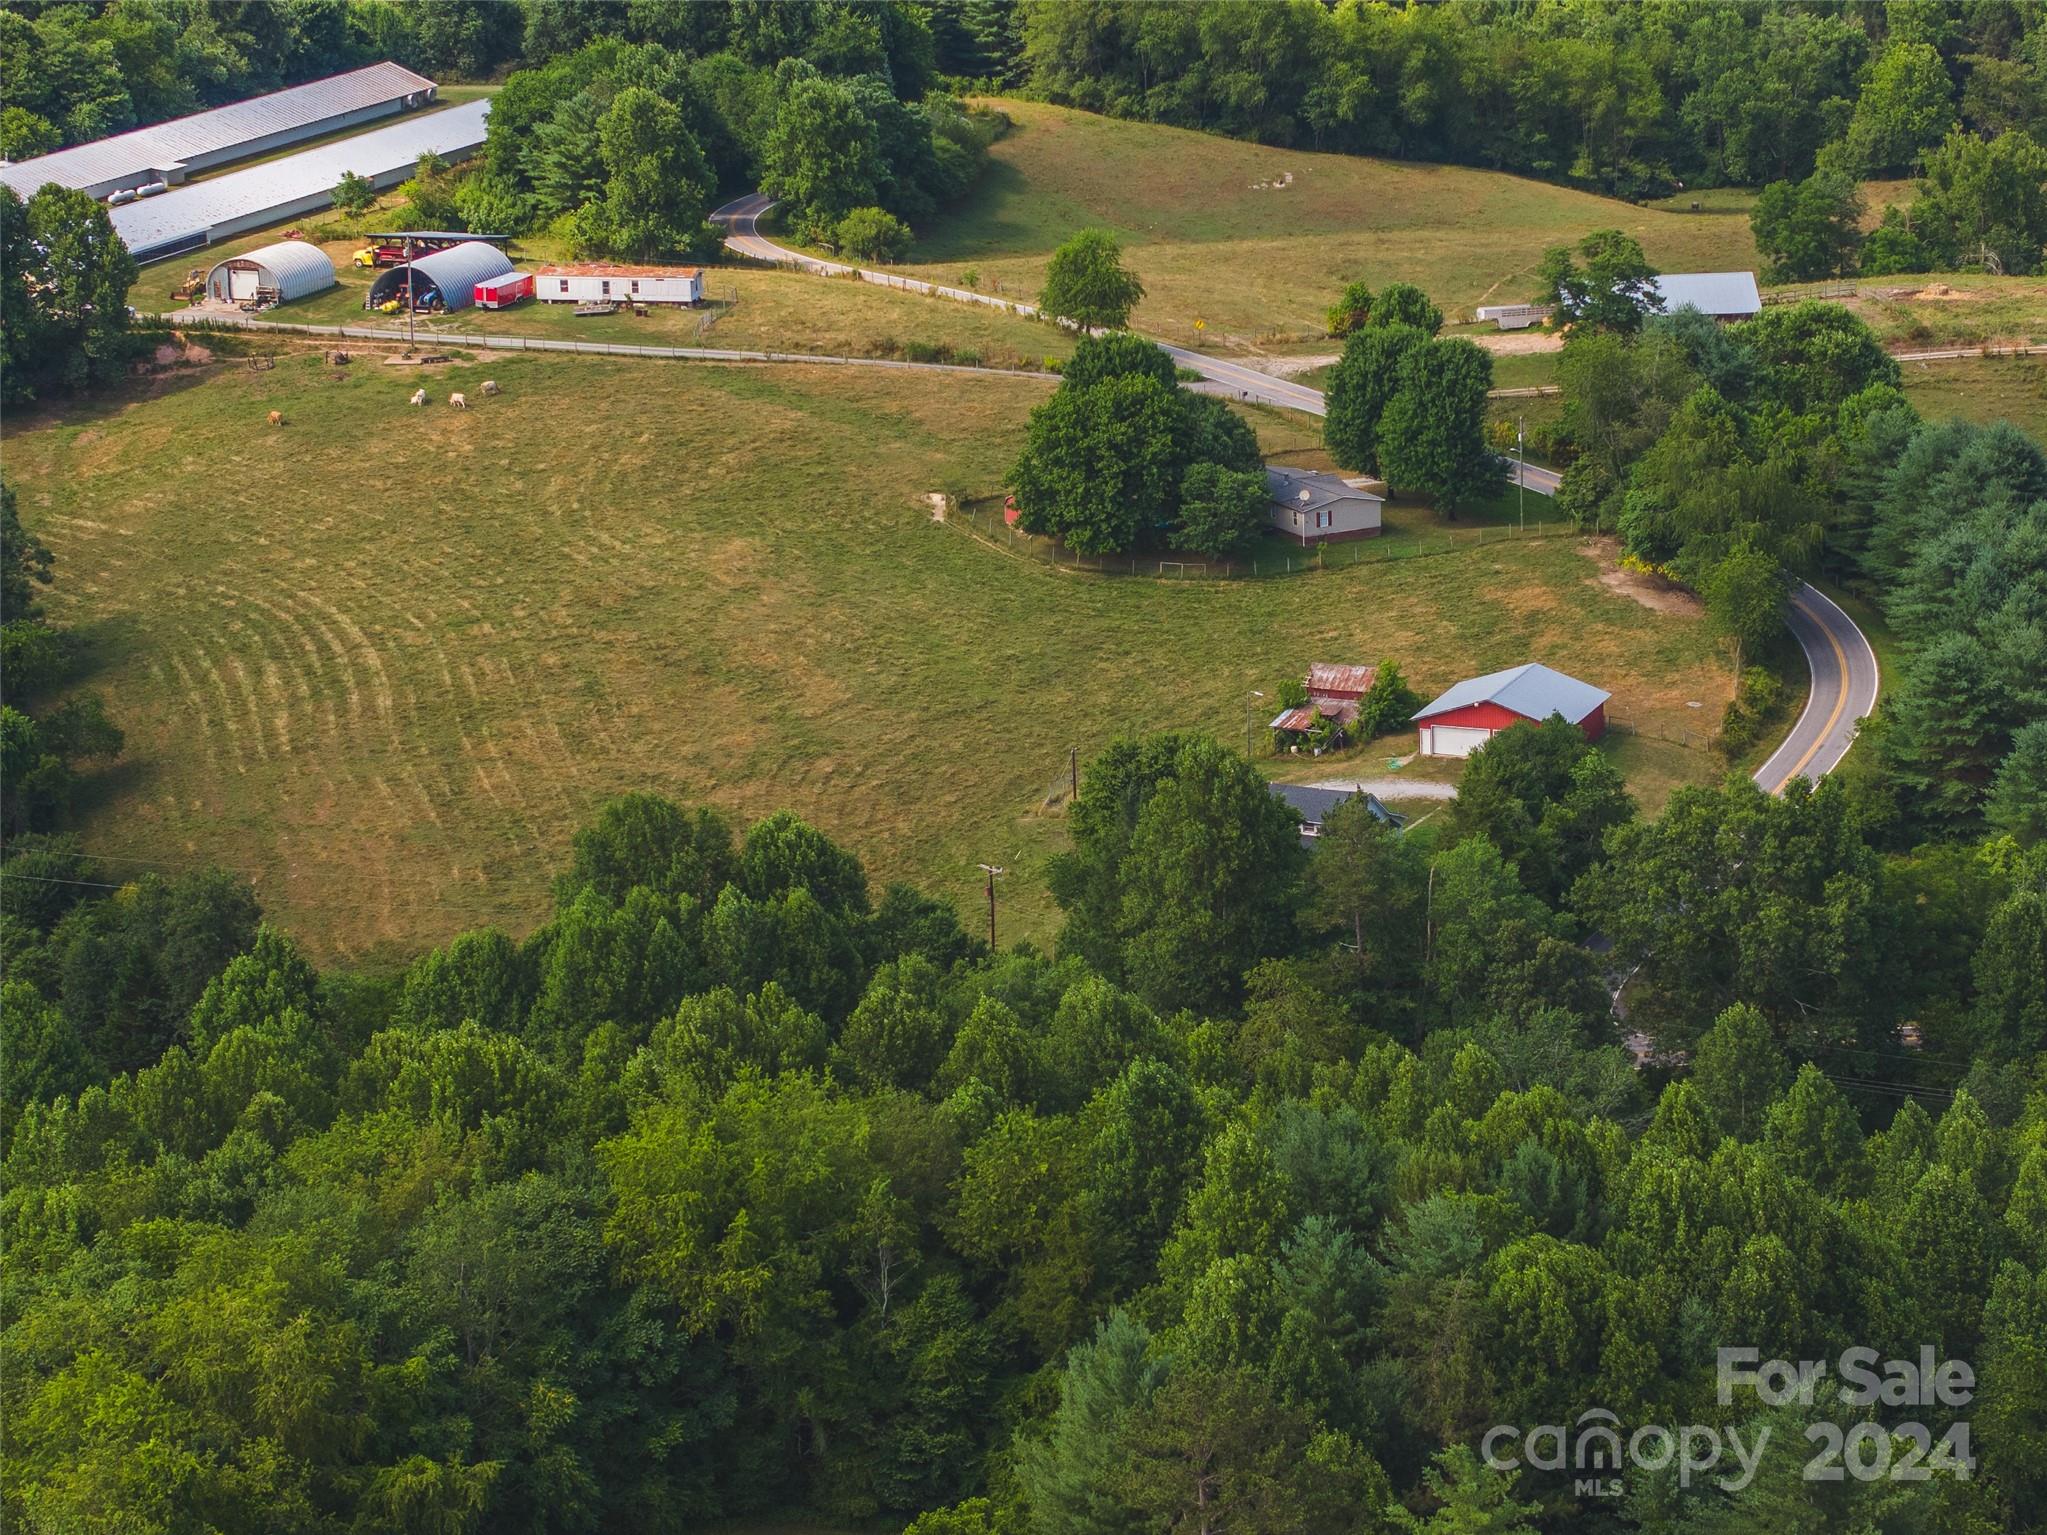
x: 384, y: 660
x: 1982, y: 389
x: 1217, y: 237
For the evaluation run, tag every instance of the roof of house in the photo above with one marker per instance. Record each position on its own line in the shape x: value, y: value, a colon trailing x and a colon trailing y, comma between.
x: 1315, y: 804
x: 1531, y: 690
x: 164, y: 145
x: 1710, y: 292
x: 1310, y: 489
x: 612, y: 269
x: 1329, y: 677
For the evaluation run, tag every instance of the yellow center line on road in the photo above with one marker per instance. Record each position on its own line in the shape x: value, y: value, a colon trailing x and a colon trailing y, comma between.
x: 1833, y: 719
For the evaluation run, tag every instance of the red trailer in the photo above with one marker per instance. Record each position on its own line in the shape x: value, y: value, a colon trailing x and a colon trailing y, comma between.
x: 503, y: 292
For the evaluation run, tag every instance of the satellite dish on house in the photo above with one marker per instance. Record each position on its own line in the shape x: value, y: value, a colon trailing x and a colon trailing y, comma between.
x: 1307, y: 495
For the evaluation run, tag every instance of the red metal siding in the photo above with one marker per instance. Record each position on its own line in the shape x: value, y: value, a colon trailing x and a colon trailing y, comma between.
x: 1491, y: 716
x: 1486, y: 716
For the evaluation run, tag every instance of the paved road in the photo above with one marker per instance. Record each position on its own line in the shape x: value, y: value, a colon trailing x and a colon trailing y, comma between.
x: 1844, y: 687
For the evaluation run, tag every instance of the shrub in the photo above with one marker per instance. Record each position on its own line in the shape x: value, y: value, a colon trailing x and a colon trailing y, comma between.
x: 1388, y: 705
x: 871, y: 234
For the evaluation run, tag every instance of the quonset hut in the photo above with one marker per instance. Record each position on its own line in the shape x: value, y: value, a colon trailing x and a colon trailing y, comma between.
x: 276, y: 274
x: 445, y: 280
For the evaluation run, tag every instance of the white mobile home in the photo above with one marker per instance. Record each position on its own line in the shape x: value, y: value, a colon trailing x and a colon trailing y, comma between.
x: 602, y: 282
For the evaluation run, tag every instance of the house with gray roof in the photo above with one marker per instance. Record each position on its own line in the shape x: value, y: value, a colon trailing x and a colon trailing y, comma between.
x: 1311, y: 507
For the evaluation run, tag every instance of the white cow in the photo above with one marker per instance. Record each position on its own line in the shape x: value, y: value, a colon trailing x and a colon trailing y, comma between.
x: 458, y: 401
x: 419, y: 397
x: 490, y: 386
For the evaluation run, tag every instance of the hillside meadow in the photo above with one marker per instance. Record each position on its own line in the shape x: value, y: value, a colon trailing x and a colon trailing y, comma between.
x: 1250, y: 242
x: 384, y: 660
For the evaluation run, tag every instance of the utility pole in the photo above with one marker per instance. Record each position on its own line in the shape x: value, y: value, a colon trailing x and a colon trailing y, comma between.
x: 1072, y: 774
x: 1251, y: 724
x: 409, y: 296
x: 1521, y: 453
x: 991, y: 870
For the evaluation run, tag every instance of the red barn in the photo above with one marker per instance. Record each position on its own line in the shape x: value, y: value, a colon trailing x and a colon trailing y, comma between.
x: 1470, y: 714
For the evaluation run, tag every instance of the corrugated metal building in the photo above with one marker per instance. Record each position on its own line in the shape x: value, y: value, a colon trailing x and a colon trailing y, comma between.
x: 279, y: 273
x: 169, y: 152
x: 449, y: 277
x: 189, y: 217
x: 1459, y: 722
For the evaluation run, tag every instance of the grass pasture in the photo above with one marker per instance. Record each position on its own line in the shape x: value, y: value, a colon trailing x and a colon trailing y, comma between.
x: 1981, y: 389
x: 385, y: 660
x: 749, y: 309
x: 1255, y: 242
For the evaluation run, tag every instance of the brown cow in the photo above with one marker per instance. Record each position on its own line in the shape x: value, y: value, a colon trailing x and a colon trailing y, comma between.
x: 277, y: 418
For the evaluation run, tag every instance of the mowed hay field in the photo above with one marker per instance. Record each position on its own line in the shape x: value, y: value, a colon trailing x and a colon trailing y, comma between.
x: 1256, y: 242
x: 385, y: 660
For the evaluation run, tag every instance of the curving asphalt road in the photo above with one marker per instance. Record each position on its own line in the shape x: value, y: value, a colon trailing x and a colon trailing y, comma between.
x: 1845, y: 676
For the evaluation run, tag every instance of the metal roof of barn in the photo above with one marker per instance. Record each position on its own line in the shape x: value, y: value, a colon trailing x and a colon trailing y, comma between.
x: 453, y: 272
x: 1310, y: 489
x: 163, y: 146
x: 1329, y: 677
x: 184, y: 215
x: 1710, y: 292
x: 294, y: 268
x: 1533, y: 691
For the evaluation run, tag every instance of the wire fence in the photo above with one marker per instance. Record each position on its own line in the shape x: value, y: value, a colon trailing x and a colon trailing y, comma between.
x: 447, y: 338
x: 1798, y: 293
x: 983, y: 521
x: 1674, y: 735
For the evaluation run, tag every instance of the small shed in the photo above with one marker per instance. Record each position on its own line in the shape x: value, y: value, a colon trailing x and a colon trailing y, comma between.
x: 1459, y: 722
x: 276, y: 274
x: 1334, y: 692
x: 444, y: 280
x: 1311, y: 507
x: 598, y: 282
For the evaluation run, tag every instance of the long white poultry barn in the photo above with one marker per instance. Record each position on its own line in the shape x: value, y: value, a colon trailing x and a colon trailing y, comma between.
x: 164, y: 154
x: 188, y: 217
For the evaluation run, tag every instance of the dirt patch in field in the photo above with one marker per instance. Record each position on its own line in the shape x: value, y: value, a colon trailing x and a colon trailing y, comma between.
x: 1941, y: 293
x: 1520, y: 343
x: 1650, y: 591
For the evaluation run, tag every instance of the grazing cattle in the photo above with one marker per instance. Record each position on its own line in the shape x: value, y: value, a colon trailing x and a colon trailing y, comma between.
x: 457, y: 401
x: 490, y: 386
x: 277, y: 418
x: 419, y: 397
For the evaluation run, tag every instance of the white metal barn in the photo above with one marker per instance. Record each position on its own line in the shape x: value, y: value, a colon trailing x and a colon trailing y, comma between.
x: 164, y: 154
x: 446, y: 279
x: 279, y: 273
x: 601, y: 282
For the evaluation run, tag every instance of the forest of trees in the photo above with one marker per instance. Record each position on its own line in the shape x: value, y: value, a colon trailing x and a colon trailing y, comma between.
x: 1632, y: 99
x: 738, y: 1190
x: 1637, y: 100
